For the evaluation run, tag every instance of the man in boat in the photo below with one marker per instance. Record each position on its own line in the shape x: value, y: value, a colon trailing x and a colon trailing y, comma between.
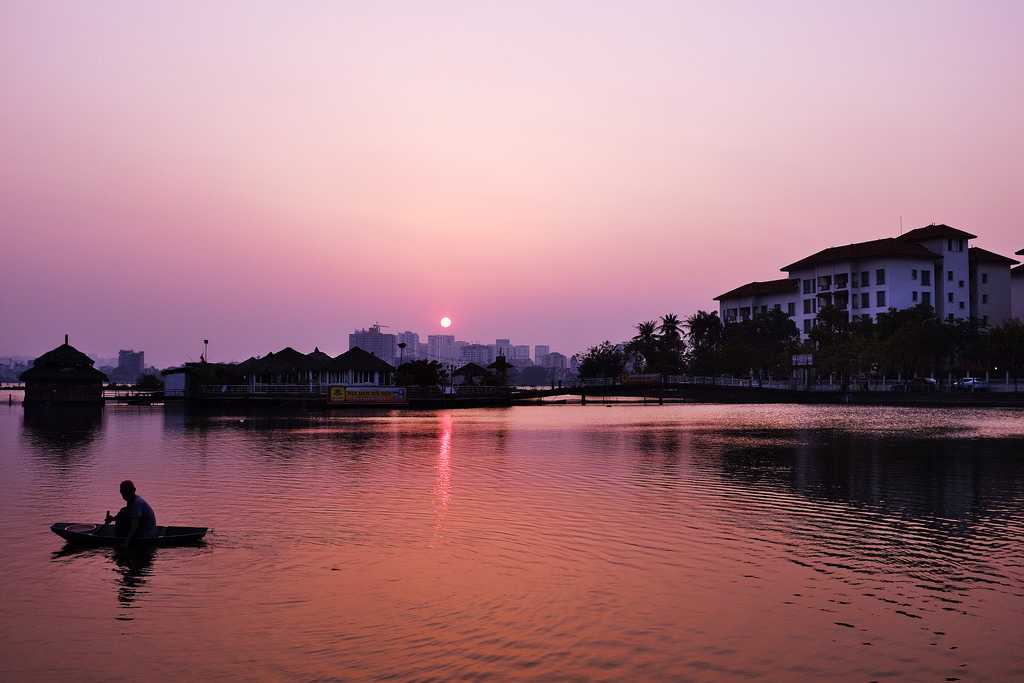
x: 136, y: 519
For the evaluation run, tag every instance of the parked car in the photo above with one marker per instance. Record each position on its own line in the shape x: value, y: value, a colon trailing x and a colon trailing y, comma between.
x: 972, y: 384
x: 918, y: 384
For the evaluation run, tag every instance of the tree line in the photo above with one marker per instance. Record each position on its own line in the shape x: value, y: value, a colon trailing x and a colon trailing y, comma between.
x: 909, y: 343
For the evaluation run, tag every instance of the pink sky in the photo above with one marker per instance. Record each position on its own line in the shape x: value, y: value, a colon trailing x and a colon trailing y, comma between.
x: 270, y: 174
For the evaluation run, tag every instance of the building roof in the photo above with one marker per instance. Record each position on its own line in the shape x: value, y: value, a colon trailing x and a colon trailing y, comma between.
x: 986, y: 256
x: 64, y: 355
x: 936, y: 232
x: 471, y: 370
x: 63, y: 364
x: 357, y: 359
x: 766, y: 288
x: 888, y: 247
x: 317, y: 359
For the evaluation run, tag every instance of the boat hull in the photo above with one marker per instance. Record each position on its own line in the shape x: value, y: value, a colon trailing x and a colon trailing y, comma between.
x: 103, y: 535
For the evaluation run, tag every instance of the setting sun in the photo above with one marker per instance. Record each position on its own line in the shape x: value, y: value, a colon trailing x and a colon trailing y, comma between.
x: 446, y: 322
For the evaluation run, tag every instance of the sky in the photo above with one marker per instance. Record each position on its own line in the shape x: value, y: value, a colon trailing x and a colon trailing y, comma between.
x: 263, y: 174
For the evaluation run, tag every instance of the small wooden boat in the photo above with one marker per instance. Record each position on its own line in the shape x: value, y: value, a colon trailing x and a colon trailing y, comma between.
x: 103, y: 534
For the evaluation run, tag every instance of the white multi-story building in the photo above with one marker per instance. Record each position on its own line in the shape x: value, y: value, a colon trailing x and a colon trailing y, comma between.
x: 746, y: 301
x: 1017, y: 290
x: 930, y: 265
x: 991, y: 286
x: 520, y: 352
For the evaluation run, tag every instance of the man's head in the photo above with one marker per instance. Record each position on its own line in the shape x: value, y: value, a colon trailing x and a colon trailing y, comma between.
x: 127, y: 490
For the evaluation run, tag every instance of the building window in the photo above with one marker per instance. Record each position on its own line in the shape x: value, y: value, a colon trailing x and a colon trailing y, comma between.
x: 984, y: 278
x: 856, y: 301
x: 807, y: 326
x: 730, y: 314
x: 807, y: 306
x: 961, y: 284
x: 841, y: 280
x: 914, y: 296
x: 984, y: 320
x: 949, y: 275
x: 880, y: 298
x: 777, y: 307
x: 960, y: 245
x: 865, y: 300
x: 809, y: 286
x: 949, y: 297
x: 961, y: 305
x: 926, y: 298
x: 880, y: 277
x: 745, y: 312
x: 949, y: 317
x: 791, y: 309
x: 984, y: 298
x: 913, y: 273
x: 949, y: 245
x: 926, y: 277
x: 865, y: 279
x: 764, y: 309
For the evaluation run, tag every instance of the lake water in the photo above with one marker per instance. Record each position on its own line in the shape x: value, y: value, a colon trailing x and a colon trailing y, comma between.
x: 683, y: 542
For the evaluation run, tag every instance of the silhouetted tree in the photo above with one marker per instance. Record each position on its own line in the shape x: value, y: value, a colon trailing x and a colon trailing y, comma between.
x: 705, y: 334
x: 603, y: 360
x: 421, y: 373
x: 643, y: 347
x: 762, y: 345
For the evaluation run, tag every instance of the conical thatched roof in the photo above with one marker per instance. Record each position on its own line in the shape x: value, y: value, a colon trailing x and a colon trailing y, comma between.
x: 357, y: 359
x: 317, y: 359
x: 63, y: 364
x: 470, y: 370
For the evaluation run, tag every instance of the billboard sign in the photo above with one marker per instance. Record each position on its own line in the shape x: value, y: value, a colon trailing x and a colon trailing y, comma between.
x: 341, y: 395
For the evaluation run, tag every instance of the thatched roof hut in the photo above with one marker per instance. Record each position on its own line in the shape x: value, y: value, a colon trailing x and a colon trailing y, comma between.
x: 357, y: 359
x: 63, y: 375
x: 472, y: 374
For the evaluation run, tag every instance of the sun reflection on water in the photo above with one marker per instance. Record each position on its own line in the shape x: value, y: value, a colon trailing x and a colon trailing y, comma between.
x: 443, y: 480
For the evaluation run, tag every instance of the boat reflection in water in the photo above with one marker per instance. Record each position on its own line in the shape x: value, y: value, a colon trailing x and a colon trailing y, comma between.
x: 133, y: 565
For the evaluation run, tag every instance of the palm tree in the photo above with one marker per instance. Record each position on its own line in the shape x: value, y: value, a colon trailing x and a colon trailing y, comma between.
x: 671, y: 325
x: 670, y: 345
x: 644, y: 344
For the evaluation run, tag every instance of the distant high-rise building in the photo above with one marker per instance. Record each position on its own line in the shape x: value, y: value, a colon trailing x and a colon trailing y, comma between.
x: 412, y: 345
x: 556, y: 360
x: 374, y: 341
x: 130, y: 365
x: 422, y: 350
x: 476, y: 353
x: 520, y: 352
x: 539, y: 352
x: 441, y: 347
x: 503, y: 347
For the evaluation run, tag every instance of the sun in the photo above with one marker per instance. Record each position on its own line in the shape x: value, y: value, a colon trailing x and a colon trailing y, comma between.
x: 446, y: 322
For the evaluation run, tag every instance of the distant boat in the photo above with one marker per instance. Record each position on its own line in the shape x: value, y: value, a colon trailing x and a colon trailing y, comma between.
x: 103, y: 535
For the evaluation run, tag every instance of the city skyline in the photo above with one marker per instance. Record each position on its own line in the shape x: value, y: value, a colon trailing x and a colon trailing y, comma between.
x: 477, y: 162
